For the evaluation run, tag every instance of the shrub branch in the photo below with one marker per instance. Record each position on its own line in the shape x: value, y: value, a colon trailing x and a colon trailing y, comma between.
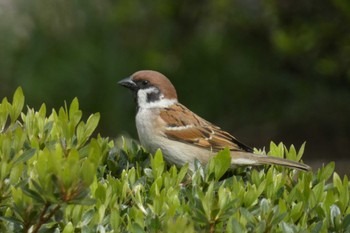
x: 43, y: 219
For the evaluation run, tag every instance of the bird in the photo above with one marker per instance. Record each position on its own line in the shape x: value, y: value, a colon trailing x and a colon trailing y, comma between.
x: 163, y: 123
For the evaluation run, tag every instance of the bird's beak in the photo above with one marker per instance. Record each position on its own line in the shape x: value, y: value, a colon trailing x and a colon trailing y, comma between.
x: 128, y: 83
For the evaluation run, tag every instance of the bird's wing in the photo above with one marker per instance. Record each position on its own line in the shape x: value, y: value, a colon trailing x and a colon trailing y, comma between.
x: 184, y: 125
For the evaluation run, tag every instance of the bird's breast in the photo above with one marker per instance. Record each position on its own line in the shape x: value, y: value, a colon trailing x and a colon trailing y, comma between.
x: 148, y: 128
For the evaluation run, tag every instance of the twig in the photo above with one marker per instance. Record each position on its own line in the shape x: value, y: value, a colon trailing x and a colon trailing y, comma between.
x: 212, y: 227
x: 43, y: 219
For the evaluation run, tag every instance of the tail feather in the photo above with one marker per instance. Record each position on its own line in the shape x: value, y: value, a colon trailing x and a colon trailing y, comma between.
x: 244, y: 158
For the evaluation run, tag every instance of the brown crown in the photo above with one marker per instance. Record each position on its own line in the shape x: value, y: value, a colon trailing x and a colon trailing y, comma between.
x: 157, y: 80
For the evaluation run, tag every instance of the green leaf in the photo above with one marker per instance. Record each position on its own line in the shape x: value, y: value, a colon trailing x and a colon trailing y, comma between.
x: 84, y: 131
x: 264, y: 206
x: 318, y: 227
x: 277, y: 151
x: 261, y: 227
x: 326, y: 172
x: 17, y: 104
x: 157, y: 163
x: 247, y: 215
x: 182, y: 173
x: 250, y: 196
x: 346, y: 223
x: 115, y: 220
x: 12, y: 220
x: 31, y: 193
x: 48, y: 127
x: 25, y: 156
x: 291, y: 154
x: 88, y: 171
x: 69, y: 228
x: 301, y: 151
x: 136, y: 228
x: 343, y: 190
x: 87, y: 217
x: 16, y: 173
x: 344, y: 194
x: 334, y: 214
x: 198, y: 213
x: 4, y: 106
x: 222, y: 162
x: 85, y: 201
x: 296, y: 212
x: 318, y: 192
x: 277, y: 218
x: 286, y: 228
x: 235, y: 226
x: 100, y: 193
x: 74, y: 113
x: 91, y: 124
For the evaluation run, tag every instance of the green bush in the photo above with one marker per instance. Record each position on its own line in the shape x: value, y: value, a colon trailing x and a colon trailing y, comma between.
x: 56, y: 177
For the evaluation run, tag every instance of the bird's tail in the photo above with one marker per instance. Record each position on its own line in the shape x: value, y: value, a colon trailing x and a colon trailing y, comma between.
x: 246, y: 158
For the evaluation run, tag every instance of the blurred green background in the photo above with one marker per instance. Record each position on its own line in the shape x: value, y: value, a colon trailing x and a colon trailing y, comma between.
x: 264, y: 70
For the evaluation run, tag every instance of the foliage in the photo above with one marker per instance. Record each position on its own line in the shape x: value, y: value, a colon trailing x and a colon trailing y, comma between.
x: 56, y: 177
x: 278, y: 58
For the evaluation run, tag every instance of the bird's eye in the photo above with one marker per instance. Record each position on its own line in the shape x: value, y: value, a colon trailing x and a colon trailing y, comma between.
x: 145, y: 82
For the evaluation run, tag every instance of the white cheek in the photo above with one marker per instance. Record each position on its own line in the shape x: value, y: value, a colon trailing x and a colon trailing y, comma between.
x: 142, y: 95
x: 161, y: 103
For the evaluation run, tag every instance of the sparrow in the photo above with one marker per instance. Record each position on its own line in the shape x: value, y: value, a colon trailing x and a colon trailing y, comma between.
x: 183, y: 136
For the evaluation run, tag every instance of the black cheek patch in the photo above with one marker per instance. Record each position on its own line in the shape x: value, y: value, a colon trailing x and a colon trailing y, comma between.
x: 153, y: 96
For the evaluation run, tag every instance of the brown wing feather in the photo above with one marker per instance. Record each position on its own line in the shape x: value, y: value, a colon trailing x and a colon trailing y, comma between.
x: 197, y: 131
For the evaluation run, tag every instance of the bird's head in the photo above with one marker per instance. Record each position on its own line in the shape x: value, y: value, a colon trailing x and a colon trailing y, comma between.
x: 150, y: 89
